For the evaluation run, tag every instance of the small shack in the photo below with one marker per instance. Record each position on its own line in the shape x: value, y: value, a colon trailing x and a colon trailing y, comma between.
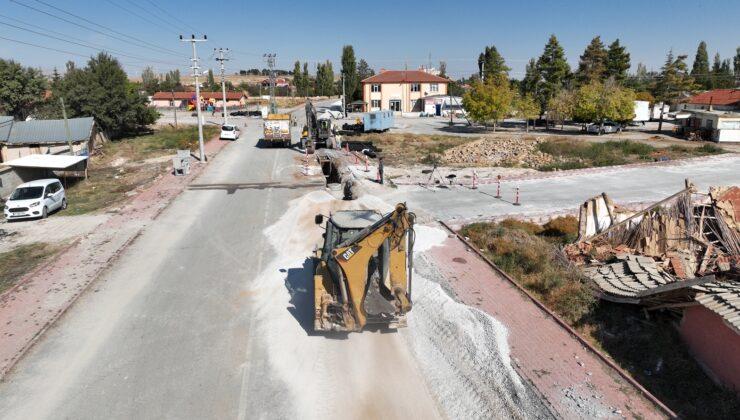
x: 53, y: 137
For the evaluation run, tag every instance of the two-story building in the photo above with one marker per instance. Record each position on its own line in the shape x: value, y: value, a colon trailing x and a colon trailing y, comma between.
x: 401, y: 90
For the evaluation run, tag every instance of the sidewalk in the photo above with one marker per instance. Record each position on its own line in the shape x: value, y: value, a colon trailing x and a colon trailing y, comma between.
x: 42, y: 296
x: 573, y: 380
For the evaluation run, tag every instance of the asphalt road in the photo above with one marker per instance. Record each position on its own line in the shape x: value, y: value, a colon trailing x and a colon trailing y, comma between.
x: 201, y: 317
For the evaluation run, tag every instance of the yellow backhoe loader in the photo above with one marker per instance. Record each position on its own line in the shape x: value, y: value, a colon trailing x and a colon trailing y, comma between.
x: 363, y: 271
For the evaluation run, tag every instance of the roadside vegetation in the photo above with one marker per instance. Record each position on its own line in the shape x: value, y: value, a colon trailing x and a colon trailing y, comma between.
x: 649, y: 348
x: 16, y: 263
x: 127, y: 164
x: 411, y: 149
x: 574, y: 154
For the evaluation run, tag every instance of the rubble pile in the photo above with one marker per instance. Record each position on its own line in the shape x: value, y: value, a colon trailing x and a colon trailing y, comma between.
x: 489, y: 151
x: 666, y: 256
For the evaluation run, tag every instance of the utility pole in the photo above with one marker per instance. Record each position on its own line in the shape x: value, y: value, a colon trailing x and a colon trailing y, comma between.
x: 344, y: 99
x: 66, y: 128
x: 173, y: 103
x: 196, y: 74
x: 270, y: 58
x: 221, y: 60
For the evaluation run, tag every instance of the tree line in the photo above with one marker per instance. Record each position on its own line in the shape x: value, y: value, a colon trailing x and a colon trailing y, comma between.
x: 101, y: 89
x: 599, y: 89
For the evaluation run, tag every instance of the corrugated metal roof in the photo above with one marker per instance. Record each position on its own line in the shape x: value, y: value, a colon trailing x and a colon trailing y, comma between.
x: 50, y: 131
x: 6, y: 122
x: 46, y: 161
x: 722, y: 298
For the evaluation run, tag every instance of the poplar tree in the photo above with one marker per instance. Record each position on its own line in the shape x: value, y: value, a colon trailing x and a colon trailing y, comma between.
x: 298, y: 78
x: 700, y: 68
x: 592, y: 66
x: 736, y: 63
x: 674, y: 81
x: 349, y: 70
x: 617, y: 61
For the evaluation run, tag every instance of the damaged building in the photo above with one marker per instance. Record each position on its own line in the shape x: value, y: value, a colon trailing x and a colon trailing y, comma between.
x: 681, y: 255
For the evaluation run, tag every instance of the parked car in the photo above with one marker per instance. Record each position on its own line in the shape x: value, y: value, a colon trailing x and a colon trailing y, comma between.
x: 229, y: 132
x: 608, y: 127
x: 240, y: 113
x: 35, y: 199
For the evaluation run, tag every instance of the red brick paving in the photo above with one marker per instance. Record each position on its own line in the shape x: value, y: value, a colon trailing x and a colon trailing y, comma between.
x: 41, y: 297
x: 574, y: 380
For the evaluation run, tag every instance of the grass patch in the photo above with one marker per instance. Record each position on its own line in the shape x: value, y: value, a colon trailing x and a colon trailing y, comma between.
x: 127, y: 164
x: 22, y: 260
x: 409, y: 149
x: 573, y: 154
x: 525, y: 251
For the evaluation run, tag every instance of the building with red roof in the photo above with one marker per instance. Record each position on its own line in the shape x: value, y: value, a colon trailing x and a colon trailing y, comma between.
x: 401, y: 90
x: 717, y: 99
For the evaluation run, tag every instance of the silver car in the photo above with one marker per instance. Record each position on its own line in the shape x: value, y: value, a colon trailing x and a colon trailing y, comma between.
x: 608, y: 127
x: 35, y: 199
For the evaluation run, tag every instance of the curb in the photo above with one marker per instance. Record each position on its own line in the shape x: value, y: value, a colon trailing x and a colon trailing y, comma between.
x: 626, y: 376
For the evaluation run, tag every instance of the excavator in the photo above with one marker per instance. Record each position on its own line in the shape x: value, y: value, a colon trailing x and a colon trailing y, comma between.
x: 363, y: 270
x: 318, y: 131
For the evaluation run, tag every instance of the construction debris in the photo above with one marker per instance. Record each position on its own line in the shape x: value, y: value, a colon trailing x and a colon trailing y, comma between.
x: 681, y: 251
x: 489, y: 151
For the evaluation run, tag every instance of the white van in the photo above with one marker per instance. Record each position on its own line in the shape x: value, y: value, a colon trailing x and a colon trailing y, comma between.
x: 35, y: 199
x: 229, y: 132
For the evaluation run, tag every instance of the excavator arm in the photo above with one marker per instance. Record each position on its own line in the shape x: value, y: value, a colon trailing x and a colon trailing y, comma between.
x: 377, y: 292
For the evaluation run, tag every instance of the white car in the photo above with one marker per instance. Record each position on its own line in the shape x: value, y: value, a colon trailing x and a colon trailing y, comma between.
x: 35, y: 199
x: 229, y: 132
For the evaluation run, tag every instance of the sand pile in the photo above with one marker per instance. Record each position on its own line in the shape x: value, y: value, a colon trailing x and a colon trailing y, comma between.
x: 489, y: 151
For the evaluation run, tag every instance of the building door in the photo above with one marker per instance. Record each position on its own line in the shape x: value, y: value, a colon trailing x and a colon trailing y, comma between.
x: 395, y: 105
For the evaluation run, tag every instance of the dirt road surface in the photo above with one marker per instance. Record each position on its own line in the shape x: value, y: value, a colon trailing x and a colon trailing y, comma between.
x: 207, y: 315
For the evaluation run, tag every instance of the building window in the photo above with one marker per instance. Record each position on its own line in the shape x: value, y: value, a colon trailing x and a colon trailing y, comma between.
x: 375, y: 87
x: 395, y: 105
x: 413, y: 104
x: 375, y: 103
x: 416, y: 87
x: 708, y: 123
x: 434, y: 87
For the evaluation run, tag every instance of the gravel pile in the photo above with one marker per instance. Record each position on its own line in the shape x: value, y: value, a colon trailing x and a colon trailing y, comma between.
x: 490, y: 151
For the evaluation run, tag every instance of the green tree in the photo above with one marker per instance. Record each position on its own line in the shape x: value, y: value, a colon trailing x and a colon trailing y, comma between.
x: 306, y: 78
x: 443, y: 69
x: 298, y: 79
x: 554, y: 71
x: 721, y: 75
x: 328, y: 81
x: 562, y: 106
x: 526, y: 107
x: 674, y: 81
x: 491, y: 64
x: 211, y: 82
x: 736, y: 63
x: 363, y: 70
x: 617, y: 61
x: 489, y: 101
x: 644, y: 96
x: 102, y: 90
x: 592, y: 66
x: 349, y: 71
x: 532, y: 78
x: 21, y: 89
x: 700, y: 68
x: 171, y: 81
x: 149, y: 80
x: 597, y: 102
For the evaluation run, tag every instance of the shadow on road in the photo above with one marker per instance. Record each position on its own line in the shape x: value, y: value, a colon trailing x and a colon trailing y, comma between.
x: 299, y: 282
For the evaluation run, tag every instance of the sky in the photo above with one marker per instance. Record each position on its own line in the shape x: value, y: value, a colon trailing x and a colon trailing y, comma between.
x: 387, y: 34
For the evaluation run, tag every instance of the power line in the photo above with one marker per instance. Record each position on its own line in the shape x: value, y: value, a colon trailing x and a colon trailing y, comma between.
x: 131, y: 12
x: 170, y: 15
x: 102, y: 26
x: 85, y: 45
x: 61, y: 51
x: 138, y: 44
x: 177, y: 29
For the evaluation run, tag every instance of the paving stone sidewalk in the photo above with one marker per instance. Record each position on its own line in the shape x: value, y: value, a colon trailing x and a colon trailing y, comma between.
x: 575, y: 381
x: 42, y: 296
